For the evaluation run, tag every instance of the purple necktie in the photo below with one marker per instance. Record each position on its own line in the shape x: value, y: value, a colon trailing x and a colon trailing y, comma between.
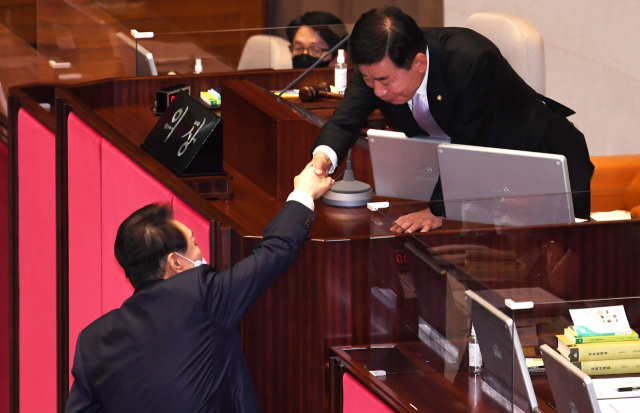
x: 423, y: 117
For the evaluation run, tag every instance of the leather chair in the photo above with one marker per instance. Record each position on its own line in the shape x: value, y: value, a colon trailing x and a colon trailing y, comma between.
x: 616, y: 180
x: 519, y: 41
x: 615, y: 184
x: 262, y: 51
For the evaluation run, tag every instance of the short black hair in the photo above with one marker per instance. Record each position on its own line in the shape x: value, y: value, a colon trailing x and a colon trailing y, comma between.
x: 144, y: 241
x: 328, y: 26
x: 386, y: 32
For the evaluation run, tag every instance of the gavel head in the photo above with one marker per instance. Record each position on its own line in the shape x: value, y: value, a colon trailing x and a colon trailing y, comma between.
x: 309, y: 93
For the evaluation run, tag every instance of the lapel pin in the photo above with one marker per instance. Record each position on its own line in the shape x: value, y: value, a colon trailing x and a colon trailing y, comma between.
x: 439, y: 97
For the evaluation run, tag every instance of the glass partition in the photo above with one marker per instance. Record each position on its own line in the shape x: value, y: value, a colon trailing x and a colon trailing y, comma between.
x: 210, y: 51
x: 74, y: 41
x: 493, y: 284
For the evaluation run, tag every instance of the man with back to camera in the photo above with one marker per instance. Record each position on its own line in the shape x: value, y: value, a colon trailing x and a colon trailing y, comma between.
x: 446, y: 82
x: 174, y: 346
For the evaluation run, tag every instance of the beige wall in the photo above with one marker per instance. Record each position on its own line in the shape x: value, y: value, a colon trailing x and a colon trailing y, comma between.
x: 592, y: 52
x: 425, y: 12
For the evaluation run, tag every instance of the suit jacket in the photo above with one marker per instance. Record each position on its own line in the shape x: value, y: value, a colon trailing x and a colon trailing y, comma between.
x: 476, y: 98
x: 174, y: 346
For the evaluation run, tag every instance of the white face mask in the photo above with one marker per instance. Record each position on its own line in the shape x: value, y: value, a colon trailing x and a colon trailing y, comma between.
x: 195, y: 264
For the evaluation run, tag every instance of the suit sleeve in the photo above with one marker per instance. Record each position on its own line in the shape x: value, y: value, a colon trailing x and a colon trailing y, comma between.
x: 81, y: 398
x: 228, y: 294
x: 341, y: 132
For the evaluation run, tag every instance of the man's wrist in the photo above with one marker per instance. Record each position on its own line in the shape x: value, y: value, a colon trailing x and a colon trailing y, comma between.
x: 303, y: 197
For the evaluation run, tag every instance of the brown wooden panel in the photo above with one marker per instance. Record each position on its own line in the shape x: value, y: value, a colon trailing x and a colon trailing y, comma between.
x: 324, y: 299
x: 166, y: 16
x: 253, y: 155
x: 320, y: 301
x: 264, y: 139
x: 19, y: 16
x: 142, y: 90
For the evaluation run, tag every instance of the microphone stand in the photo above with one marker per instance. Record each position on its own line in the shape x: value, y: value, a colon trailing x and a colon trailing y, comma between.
x: 348, y: 192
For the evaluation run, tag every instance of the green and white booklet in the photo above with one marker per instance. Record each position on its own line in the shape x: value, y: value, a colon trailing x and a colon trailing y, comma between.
x: 599, y: 321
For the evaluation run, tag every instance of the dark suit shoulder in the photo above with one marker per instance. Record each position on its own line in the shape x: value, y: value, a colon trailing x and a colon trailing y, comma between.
x: 459, y: 39
x: 463, y: 58
x: 181, y: 288
x: 101, y: 324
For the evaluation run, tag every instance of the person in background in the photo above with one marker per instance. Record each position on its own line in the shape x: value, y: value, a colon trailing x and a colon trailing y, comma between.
x: 175, y: 346
x: 312, y: 35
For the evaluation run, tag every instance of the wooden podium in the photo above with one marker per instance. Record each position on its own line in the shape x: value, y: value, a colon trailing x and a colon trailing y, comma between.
x: 324, y: 299
x: 319, y: 302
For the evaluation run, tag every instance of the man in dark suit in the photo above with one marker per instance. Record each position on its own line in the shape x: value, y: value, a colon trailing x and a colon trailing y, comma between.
x: 174, y: 346
x: 446, y: 81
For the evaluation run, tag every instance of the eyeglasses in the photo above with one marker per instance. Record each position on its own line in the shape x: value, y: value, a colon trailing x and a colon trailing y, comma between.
x: 313, y: 50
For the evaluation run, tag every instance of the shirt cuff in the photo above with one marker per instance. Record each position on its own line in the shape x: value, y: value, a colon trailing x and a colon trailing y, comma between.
x: 330, y: 153
x: 302, y: 197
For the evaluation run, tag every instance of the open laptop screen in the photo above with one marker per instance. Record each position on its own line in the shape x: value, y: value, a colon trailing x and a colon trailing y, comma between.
x: 502, y: 353
x: 504, y: 187
x: 404, y: 167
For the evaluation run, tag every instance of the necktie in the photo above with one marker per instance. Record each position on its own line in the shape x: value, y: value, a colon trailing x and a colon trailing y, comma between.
x: 423, y: 117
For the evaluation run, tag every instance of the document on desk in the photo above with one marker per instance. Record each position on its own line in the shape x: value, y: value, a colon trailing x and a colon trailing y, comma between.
x: 608, y: 388
x: 611, y: 216
x: 619, y: 405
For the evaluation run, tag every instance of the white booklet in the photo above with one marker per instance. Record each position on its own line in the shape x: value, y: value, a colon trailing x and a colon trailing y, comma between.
x: 600, y: 321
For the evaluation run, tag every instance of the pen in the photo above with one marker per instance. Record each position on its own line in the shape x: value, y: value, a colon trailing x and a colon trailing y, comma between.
x: 628, y: 388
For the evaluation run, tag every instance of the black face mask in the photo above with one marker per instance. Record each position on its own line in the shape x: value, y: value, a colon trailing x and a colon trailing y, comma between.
x: 303, y: 61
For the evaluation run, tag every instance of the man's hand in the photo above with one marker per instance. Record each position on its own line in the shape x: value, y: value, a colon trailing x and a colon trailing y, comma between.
x: 422, y: 221
x: 312, y: 184
x: 321, y: 164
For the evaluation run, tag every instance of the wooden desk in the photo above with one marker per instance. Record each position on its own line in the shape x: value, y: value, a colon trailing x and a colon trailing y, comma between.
x: 324, y: 299
x: 412, y: 384
x: 119, y: 110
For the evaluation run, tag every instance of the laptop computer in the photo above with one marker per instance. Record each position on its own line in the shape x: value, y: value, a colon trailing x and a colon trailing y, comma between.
x: 444, y: 315
x: 404, y: 167
x: 572, y: 388
x: 575, y: 392
x: 502, y: 354
x: 504, y: 187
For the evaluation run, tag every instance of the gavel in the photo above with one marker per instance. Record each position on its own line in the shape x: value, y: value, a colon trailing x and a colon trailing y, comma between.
x: 309, y: 93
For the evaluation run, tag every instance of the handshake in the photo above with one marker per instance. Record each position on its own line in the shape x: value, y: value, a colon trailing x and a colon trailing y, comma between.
x: 311, y: 183
x: 422, y: 221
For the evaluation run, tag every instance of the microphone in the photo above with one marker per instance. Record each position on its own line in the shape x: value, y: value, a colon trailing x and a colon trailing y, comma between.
x: 313, y: 66
x: 309, y: 93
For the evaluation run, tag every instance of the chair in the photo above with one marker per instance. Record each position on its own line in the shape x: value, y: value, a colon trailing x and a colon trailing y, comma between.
x: 519, y: 41
x: 263, y: 51
x: 616, y: 172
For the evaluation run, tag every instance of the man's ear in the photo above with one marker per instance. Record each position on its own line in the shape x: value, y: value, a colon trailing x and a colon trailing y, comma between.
x: 420, y: 62
x: 174, y: 264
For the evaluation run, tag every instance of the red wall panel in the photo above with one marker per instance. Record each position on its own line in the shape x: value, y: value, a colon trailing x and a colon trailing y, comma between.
x: 37, y: 265
x: 357, y: 399
x: 125, y: 188
x: 4, y: 279
x: 85, y: 237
